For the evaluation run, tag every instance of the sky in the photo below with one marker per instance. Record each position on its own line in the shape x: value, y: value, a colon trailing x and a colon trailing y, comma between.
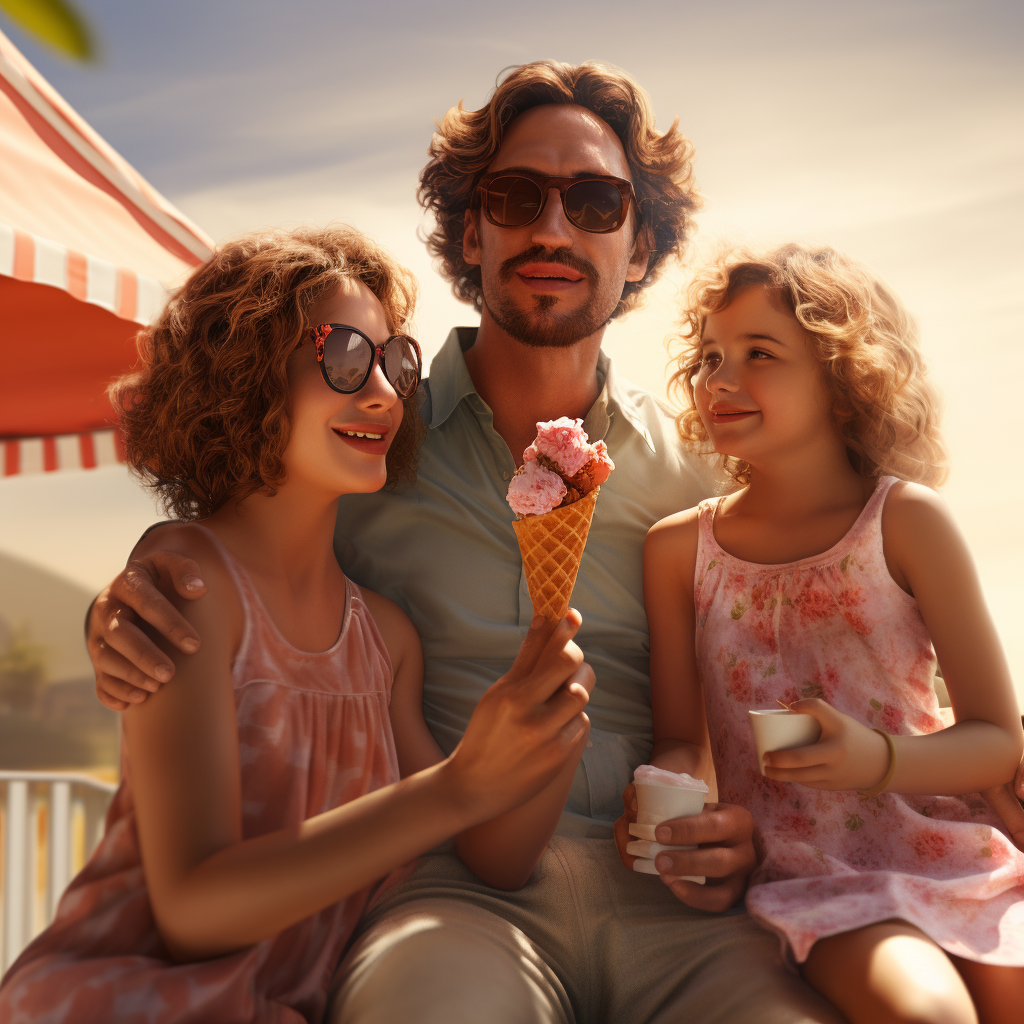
x: 893, y: 130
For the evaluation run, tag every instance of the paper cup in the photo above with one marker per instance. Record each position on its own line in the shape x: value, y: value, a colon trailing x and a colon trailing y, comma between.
x: 645, y: 852
x: 655, y: 804
x: 778, y: 729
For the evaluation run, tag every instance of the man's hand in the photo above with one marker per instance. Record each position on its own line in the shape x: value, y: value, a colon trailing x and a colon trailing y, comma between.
x: 127, y: 663
x: 725, y: 856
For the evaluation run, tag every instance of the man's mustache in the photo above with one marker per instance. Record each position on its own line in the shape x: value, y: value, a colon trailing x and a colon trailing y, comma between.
x: 538, y: 254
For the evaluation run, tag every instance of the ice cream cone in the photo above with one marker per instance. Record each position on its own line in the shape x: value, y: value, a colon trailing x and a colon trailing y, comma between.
x: 552, y: 546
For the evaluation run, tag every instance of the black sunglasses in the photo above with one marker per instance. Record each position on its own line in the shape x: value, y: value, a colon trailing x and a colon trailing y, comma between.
x: 346, y: 357
x: 513, y: 199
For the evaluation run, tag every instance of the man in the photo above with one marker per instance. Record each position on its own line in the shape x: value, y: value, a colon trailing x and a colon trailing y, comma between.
x: 556, y: 205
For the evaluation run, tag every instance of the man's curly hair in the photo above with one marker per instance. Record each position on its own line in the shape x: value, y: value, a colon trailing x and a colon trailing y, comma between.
x: 883, y: 404
x: 467, y: 141
x: 205, y: 417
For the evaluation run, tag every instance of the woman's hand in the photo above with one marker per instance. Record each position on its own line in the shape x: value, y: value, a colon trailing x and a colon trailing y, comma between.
x: 849, y: 755
x: 527, y: 724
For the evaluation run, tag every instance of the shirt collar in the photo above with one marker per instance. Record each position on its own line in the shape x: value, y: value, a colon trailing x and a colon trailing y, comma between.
x: 449, y: 383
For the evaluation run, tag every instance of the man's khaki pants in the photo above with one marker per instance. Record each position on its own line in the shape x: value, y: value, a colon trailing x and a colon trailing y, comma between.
x: 583, y: 942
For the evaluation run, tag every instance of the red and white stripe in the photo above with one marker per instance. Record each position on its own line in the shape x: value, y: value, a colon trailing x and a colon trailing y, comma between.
x: 124, y: 293
x: 38, y: 93
x: 96, y: 448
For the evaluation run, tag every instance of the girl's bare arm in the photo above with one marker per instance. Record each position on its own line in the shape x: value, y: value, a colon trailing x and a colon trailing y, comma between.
x: 927, y: 556
x: 677, y: 702
x: 213, y: 891
x: 721, y: 834
x: 983, y: 749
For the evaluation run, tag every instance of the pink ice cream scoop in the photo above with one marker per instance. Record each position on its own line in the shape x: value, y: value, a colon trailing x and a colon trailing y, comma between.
x: 535, y: 490
x: 564, y: 442
x: 596, y: 471
x: 561, y: 452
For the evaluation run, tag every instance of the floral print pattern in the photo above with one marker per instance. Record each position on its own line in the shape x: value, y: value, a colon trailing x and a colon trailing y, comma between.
x: 313, y: 733
x: 836, y: 626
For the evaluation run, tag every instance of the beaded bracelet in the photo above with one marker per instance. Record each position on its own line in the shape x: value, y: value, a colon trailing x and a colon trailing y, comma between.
x: 870, y: 794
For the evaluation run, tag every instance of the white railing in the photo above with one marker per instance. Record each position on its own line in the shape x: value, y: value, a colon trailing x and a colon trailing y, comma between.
x: 51, y: 823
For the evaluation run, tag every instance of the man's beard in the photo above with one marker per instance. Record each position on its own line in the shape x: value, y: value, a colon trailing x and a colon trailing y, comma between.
x: 541, y: 327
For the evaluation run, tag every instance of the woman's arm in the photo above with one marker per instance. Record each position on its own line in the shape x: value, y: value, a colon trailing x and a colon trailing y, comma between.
x: 213, y: 891
x: 503, y: 851
x: 928, y: 557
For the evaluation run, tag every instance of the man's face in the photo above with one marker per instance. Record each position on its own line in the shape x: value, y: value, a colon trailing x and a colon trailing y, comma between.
x: 551, y: 283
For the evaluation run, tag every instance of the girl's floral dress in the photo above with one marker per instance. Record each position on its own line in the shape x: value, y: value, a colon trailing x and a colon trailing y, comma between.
x: 836, y: 626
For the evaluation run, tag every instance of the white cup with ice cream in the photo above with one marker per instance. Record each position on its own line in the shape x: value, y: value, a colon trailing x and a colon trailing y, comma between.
x: 782, y: 729
x: 661, y: 795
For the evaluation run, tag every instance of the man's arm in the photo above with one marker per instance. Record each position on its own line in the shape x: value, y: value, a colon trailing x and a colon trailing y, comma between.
x: 127, y: 663
x: 722, y: 832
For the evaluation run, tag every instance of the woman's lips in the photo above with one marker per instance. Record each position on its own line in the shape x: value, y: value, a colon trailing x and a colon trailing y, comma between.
x: 370, y: 445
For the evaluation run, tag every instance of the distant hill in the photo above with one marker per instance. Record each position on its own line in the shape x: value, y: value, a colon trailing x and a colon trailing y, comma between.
x: 54, y: 610
x: 68, y: 727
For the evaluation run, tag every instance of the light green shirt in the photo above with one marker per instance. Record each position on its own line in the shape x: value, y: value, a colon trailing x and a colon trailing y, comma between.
x: 446, y: 552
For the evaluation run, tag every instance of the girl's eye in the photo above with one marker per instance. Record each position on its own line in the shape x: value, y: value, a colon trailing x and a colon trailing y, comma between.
x: 759, y: 353
x: 709, y: 359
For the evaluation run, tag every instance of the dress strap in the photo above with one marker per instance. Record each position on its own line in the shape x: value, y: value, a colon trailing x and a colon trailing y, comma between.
x: 706, y: 543
x: 869, y: 522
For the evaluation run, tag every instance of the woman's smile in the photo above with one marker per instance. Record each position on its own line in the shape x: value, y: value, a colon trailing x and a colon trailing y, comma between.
x: 371, y: 438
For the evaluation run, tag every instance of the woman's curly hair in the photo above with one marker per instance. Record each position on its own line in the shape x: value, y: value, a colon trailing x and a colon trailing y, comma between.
x: 466, y: 142
x: 883, y: 405
x: 205, y: 417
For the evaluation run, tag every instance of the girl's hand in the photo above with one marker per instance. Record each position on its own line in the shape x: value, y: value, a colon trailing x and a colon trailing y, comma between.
x: 848, y: 755
x: 1004, y: 802
x: 527, y: 724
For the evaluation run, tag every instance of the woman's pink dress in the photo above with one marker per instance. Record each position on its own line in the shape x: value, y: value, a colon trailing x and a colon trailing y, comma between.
x: 836, y: 626
x: 313, y: 733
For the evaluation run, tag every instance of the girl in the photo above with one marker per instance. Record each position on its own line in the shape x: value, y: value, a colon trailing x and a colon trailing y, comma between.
x: 829, y: 581
x: 261, y: 801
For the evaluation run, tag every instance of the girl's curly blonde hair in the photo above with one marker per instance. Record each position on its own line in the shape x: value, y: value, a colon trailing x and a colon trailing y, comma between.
x: 884, y: 406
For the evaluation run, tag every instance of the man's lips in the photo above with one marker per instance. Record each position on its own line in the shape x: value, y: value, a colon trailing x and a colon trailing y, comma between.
x: 549, y: 277
x: 371, y: 438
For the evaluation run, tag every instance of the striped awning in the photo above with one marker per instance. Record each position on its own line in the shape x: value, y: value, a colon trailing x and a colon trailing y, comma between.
x: 63, y: 451
x: 125, y: 293
x: 88, y: 250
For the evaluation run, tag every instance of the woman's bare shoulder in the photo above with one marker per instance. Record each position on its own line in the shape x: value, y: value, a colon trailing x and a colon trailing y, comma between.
x: 396, y: 628
x: 221, y: 605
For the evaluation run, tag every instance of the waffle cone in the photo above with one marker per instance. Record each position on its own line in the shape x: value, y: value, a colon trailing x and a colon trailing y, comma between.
x: 552, y: 546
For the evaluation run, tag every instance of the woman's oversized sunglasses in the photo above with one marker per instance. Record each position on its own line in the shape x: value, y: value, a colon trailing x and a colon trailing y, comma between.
x: 597, y: 203
x: 346, y: 357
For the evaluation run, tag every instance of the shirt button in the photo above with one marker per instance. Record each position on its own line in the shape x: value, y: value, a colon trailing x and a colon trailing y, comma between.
x: 506, y: 475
